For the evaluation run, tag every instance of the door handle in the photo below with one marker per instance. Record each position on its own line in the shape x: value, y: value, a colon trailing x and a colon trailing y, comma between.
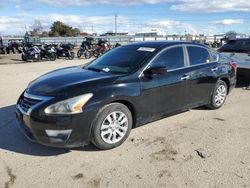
x: 185, y: 77
x: 214, y: 69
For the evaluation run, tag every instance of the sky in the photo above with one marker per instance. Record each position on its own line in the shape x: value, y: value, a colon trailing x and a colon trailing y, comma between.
x: 171, y: 16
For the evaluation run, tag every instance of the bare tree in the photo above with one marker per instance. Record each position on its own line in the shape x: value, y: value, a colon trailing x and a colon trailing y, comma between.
x: 37, y: 27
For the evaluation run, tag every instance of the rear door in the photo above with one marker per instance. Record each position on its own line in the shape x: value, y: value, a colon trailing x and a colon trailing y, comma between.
x: 203, y: 74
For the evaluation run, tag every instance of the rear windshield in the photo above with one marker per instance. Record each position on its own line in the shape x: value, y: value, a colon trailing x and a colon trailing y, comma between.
x: 122, y: 60
x: 236, y: 46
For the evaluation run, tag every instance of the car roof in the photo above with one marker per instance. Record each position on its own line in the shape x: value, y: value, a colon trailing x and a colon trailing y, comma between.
x: 240, y: 39
x: 163, y: 44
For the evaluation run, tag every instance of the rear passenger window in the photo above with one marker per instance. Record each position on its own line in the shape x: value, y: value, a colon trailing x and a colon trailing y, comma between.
x: 198, y: 55
x: 171, y: 59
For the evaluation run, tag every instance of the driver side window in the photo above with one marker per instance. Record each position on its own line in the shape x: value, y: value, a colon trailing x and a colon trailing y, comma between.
x: 172, y: 58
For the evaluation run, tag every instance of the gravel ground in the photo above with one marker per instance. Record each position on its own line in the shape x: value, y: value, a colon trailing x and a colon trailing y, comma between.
x: 198, y: 148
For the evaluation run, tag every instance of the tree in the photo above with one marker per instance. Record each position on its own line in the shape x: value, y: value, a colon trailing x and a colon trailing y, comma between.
x: 231, y: 33
x: 45, y: 34
x: 60, y: 29
x: 37, y: 27
x: 33, y: 33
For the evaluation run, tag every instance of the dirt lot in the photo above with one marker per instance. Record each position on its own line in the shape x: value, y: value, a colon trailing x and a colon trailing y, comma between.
x: 160, y: 154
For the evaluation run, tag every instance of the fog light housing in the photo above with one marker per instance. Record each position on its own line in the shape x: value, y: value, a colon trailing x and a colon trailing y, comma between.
x: 60, y: 134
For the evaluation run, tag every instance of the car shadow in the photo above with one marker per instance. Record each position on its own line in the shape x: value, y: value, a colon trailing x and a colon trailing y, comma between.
x: 19, y: 60
x: 12, y: 139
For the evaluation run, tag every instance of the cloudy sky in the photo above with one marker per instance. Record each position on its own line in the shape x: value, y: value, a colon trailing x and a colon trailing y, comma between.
x: 171, y: 16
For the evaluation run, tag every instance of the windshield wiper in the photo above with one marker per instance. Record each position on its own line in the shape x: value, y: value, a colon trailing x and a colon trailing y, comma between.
x: 93, y: 69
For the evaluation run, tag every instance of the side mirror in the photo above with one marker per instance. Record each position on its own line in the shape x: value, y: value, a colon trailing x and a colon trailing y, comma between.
x: 155, y: 71
x: 216, y: 57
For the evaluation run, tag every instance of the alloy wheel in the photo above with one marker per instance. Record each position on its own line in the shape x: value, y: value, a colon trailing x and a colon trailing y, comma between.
x: 220, y: 96
x: 114, y: 127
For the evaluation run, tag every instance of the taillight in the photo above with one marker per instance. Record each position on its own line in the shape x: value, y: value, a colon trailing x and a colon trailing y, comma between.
x: 233, y: 64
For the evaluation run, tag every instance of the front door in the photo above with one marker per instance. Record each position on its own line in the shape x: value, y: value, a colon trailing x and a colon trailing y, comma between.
x: 168, y: 93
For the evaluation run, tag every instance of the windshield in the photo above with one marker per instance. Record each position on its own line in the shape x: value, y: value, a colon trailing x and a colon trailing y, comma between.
x: 236, y: 46
x: 122, y: 60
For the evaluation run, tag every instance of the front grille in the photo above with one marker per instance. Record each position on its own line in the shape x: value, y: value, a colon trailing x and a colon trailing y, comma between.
x: 26, y: 103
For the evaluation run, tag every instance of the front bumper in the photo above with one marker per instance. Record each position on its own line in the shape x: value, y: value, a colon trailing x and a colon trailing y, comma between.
x: 57, y: 131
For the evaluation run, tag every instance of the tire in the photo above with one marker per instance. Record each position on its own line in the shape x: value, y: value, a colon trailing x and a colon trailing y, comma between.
x: 219, y: 95
x: 104, y: 132
x: 96, y: 53
x: 38, y: 58
x: 79, y: 54
x: 71, y: 55
x: 24, y: 57
x: 87, y: 54
x: 52, y: 57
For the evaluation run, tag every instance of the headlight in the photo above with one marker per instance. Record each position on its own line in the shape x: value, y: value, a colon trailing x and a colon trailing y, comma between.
x: 69, y: 106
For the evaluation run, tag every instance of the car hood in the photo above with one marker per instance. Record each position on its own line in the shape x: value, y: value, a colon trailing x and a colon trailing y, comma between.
x: 67, y: 80
x: 242, y: 59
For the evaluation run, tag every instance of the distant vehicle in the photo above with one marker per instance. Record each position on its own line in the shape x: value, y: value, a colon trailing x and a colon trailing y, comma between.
x: 15, y: 46
x: 85, y: 50
x: 65, y: 50
x: 2, y: 47
x: 31, y: 54
x: 127, y: 87
x: 48, y: 52
x: 239, y: 51
x: 101, y: 48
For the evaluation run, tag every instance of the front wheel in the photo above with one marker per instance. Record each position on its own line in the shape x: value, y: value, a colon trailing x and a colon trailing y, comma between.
x: 37, y: 57
x: 79, y: 54
x: 71, y: 55
x: 219, y: 95
x: 112, y: 126
x: 24, y: 57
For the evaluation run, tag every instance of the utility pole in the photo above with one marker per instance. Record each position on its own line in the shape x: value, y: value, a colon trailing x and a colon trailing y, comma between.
x: 116, y: 16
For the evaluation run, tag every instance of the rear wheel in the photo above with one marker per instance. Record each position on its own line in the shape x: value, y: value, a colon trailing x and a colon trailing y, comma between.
x: 52, y: 57
x: 219, y: 95
x: 96, y: 53
x: 87, y: 54
x: 112, y: 126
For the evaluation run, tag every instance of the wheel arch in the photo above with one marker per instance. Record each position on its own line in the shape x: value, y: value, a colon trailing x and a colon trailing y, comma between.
x: 226, y: 80
x: 131, y: 108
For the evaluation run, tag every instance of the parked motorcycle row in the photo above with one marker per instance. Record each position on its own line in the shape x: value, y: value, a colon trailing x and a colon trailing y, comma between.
x: 89, y: 48
x: 13, y: 46
x: 38, y: 52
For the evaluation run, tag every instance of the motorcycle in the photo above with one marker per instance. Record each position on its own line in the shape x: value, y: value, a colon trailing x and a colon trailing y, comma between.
x: 65, y: 50
x: 101, y: 48
x: 2, y: 49
x: 32, y: 53
x: 48, y: 52
x: 84, y: 51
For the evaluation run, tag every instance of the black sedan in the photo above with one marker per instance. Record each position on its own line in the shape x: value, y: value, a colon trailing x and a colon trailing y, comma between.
x: 125, y: 88
x: 239, y: 51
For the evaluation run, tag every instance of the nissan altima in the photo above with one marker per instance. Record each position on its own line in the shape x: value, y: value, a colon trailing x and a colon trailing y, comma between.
x: 125, y: 88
